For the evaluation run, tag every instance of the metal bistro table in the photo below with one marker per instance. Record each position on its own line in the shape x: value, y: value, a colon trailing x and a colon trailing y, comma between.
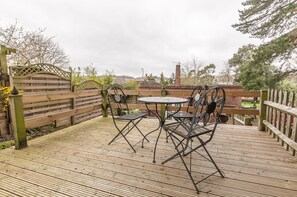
x: 161, y: 117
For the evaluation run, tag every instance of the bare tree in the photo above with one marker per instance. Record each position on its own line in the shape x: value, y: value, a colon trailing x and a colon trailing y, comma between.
x: 226, y: 76
x: 195, y: 73
x: 32, y: 46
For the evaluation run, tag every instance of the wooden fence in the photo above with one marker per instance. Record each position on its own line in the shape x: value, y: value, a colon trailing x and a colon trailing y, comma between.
x: 48, y: 97
x: 280, y: 117
x: 88, y: 111
x: 40, y: 79
x: 230, y: 108
x: 73, y: 104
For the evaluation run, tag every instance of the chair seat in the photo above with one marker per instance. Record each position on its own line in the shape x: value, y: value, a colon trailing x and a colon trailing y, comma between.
x: 183, y: 130
x: 181, y: 114
x: 132, y: 116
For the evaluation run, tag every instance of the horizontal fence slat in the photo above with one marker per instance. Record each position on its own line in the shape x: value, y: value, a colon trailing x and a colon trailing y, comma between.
x: 40, y: 75
x: 143, y: 92
x: 282, y: 136
x: 53, y: 87
x: 47, y: 103
x: 229, y: 93
x: 36, y: 81
x: 97, y: 97
x: 50, y: 117
x: 225, y: 110
x: 51, y: 108
x: 57, y: 96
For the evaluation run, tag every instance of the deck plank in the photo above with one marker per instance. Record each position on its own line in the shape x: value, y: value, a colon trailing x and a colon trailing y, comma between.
x: 77, y: 161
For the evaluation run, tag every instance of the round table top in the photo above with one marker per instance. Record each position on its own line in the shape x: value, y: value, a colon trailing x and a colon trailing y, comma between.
x: 162, y: 100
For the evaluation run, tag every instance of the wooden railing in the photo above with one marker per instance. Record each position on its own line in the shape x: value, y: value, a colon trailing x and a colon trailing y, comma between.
x: 279, y: 117
x: 229, y: 109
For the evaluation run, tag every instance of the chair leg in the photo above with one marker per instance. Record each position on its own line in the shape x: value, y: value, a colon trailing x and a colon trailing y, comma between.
x: 188, y: 167
x: 135, y: 125
x: 176, y: 154
x: 213, y: 162
x: 180, y: 154
x: 119, y: 133
x: 124, y: 135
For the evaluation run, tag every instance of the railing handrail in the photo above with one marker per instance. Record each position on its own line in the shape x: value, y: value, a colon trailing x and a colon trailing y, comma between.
x: 283, y: 108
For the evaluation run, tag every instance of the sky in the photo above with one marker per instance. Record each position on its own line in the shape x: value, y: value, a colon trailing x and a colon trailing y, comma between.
x: 126, y: 36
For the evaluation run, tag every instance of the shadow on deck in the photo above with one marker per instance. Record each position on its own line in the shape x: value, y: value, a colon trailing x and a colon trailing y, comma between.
x: 77, y: 161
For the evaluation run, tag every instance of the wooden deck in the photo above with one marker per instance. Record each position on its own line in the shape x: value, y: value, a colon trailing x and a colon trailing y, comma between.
x: 77, y: 161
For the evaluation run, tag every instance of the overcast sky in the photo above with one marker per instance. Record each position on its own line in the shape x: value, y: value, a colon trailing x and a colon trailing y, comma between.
x: 126, y: 35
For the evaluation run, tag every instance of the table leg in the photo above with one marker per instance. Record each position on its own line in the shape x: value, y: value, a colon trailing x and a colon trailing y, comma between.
x: 156, y: 144
x: 161, y: 124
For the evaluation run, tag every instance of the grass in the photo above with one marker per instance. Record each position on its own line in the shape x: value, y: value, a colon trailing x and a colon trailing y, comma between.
x: 6, y: 144
x: 249, y: 105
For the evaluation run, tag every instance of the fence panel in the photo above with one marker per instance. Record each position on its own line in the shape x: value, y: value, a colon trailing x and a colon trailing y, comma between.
x: 39, y: 79
x: 87, y: 101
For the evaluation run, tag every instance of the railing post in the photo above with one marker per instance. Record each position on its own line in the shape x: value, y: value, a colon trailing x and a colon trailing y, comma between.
x: 163, y: 107
x: 73, y: 100
x: 247, y: 121
x: 104, y: 103
x: 17, y: 117
x: 4, y: 51
x: 262, y: 110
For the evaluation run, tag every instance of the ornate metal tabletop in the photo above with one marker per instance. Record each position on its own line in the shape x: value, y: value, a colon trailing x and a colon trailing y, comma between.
x: 162, y: 100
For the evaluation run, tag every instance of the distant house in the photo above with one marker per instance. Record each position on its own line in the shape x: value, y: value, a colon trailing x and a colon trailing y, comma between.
x: 149, y: 84
x: 122, y: 79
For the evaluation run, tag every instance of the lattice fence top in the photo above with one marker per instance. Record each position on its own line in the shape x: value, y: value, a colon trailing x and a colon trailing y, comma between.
x: 87, y: 85
x: 25, y: 71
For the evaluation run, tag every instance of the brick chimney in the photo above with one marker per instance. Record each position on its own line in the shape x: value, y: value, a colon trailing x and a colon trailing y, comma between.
x: 177, y: 75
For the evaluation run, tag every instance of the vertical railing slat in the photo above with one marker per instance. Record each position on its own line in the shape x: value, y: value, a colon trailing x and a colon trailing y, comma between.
x: 288, y: 129
x: 270, y: 111
x: 278, y: 116
x: 294, y: 130
x: 274, y: 112
x: 283, y: 115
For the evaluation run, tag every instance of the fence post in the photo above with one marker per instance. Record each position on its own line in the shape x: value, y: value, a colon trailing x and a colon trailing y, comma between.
x: 262, y: 111
x: 163, y: 107
x: 247, y: 121
x: 73, y: 100
x: 104, y: 103
x: 4, y: 51
x: 17, y: 118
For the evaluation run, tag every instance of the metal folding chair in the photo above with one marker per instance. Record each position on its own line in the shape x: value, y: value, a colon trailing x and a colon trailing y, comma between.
x: 120, y: 112
x: 188, y: 137
x: 193, y: 99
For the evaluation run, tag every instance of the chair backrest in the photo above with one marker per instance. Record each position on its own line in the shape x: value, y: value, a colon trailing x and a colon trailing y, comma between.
x: 117, y: 101
x: 195, y: 95
x: 209, y: 107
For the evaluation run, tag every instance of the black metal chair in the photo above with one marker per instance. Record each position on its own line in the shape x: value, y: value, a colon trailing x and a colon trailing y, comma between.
x: 194, y: 97
x: 120, y: 112
x: 188, y: 137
